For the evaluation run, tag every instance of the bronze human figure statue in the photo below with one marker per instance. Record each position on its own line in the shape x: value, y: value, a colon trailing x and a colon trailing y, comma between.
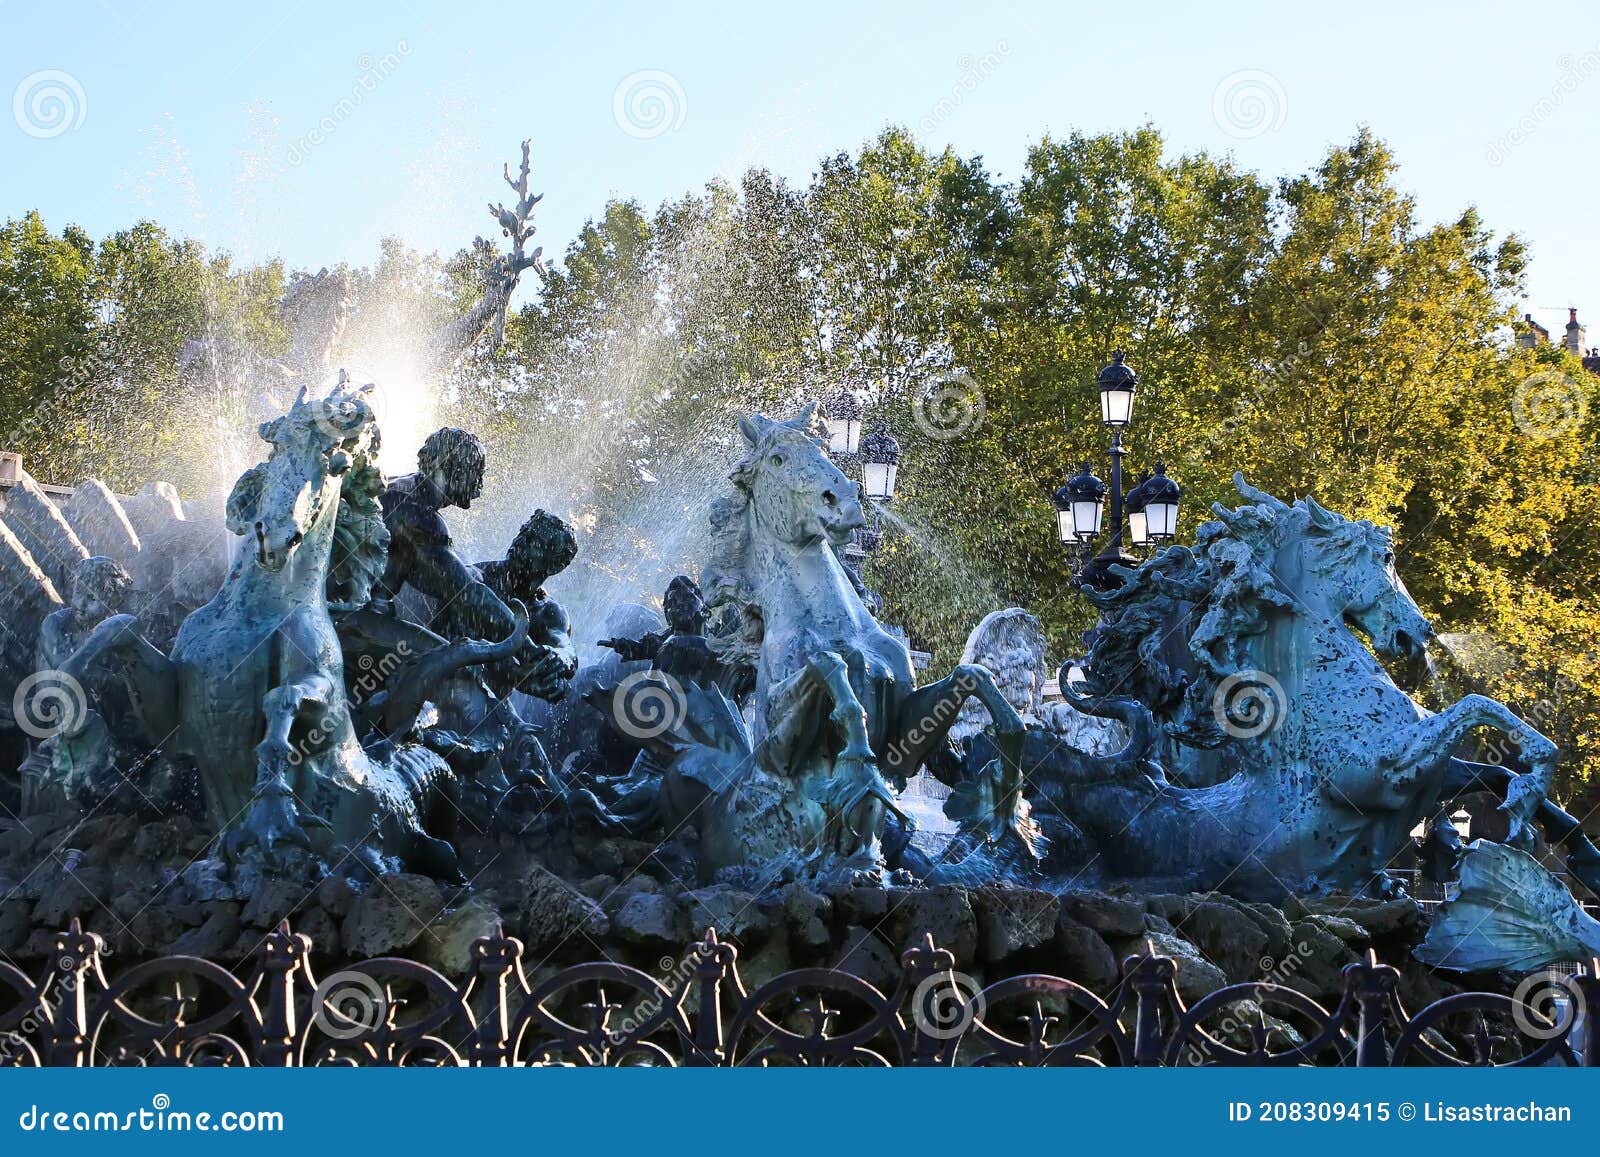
x: 449, y: 472
x: 543, y: 547
x: 683, y: 650
x: 80, y: 761
x: 100, y: 588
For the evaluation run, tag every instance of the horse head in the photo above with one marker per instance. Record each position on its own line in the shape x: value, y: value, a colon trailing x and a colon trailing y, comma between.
x: 314, y: 446
x: 1356, y: 560
x: 797, y: 495
x: 1353, y: 564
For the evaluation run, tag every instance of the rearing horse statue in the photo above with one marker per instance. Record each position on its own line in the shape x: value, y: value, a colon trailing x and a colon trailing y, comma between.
x: 839, y: 716
x: 253, y: 694
x: 1311, y: 766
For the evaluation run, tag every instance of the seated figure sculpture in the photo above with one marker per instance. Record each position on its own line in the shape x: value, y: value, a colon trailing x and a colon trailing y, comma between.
x: 469, y: 718
x: 450, y: 468
x: 1010, y: 643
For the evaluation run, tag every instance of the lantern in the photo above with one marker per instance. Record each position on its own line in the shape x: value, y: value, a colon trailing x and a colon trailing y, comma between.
x: 1079, y: 505
x: 880, y: 459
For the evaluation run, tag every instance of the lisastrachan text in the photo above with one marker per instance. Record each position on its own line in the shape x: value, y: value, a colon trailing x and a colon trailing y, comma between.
x: 1530, y: 1112
x: 1403, y: 1112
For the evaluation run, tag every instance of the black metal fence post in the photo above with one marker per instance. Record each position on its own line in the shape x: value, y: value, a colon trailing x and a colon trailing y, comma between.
x: 495, y: 962
x: 713, y: 961
x: 283, y: 953
x: 77, y: 955
x: 1372, y: 987
x: 1151, y: 978
x: 921, y: 964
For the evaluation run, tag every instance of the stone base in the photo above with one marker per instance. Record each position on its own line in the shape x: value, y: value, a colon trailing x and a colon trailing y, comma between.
x: 150, y: 889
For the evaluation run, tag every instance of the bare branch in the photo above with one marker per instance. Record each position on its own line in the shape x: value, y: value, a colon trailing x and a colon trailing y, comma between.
x: 516, y: 222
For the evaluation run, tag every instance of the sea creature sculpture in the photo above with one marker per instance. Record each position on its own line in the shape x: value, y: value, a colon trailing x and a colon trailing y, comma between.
x: 1315, y: 765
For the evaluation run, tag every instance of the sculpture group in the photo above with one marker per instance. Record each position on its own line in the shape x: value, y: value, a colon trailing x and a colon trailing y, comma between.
x: 351, y: 689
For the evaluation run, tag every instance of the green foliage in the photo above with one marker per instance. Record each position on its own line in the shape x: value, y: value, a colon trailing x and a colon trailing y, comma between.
x: 90, y: 337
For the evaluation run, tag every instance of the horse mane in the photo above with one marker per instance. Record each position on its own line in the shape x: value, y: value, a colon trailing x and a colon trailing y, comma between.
x: 726, y: 582
x: 1225, y: 591
x: 724, y: 579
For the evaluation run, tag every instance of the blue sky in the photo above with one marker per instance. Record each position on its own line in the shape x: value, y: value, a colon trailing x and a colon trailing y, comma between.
x: 311, y: 130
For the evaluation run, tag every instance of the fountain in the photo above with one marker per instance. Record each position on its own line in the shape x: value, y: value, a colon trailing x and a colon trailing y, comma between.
x: 347, y: 697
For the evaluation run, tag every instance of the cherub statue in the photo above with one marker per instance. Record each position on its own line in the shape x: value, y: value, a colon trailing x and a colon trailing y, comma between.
x: 683, y: 651
x: 544, y: 546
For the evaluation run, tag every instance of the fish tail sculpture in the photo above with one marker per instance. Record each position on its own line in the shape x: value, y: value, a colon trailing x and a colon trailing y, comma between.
x: 1510, y: 914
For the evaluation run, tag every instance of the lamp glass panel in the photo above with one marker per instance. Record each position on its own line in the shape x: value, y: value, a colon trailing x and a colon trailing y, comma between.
x: 844, y: 435
x: 1116, y: 407
x: 878, y: 479
x: 1086, y: 517
x: 1163, y: 518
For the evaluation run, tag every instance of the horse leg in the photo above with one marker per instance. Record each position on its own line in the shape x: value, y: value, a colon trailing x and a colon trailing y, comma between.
x: 848, y: 714
x: 1561, y: 830
x: 860, y: 793
x: 926, y: 715
x: 1430, y: 742
x: 151, y: 677
x: 794, y: 706
x: 273, y: 817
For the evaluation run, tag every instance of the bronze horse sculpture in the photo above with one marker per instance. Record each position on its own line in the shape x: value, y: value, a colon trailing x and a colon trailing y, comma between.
x: 1280, y: 757
x: 839, y: 718
x: 253, y: 693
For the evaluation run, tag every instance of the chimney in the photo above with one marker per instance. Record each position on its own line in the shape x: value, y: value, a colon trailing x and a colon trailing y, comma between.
x: 1573, y: 340
x: 1530, y: 334
x: 10, y: 467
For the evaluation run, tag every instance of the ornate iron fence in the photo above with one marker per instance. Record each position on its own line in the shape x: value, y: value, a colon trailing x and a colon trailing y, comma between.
x: 182, y: 1010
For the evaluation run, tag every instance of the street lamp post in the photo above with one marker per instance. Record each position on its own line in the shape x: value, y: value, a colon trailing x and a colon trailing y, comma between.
x: 1148, y: 514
